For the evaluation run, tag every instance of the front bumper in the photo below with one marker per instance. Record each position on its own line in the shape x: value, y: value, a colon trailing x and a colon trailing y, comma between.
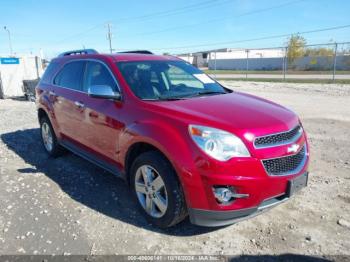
x: 214, y: 218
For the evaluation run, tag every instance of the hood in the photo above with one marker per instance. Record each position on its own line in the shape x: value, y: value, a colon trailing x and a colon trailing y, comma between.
x: 236, y: 112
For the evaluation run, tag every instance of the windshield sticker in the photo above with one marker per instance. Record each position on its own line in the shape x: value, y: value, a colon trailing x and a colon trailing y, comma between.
x: 204, y: 78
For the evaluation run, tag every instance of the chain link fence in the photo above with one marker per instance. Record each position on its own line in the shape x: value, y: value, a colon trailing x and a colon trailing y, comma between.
x: 321, y: 61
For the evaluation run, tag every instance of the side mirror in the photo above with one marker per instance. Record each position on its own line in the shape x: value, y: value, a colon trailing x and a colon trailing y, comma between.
x: 103, y: 91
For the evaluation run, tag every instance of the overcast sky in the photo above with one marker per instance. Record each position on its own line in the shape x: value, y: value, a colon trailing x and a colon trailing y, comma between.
x: 167, y: 26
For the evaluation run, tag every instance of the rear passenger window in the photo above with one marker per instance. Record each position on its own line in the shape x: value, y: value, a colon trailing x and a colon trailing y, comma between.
x: 71, y: 76
x: 98, y: 74
x: 47, y: 76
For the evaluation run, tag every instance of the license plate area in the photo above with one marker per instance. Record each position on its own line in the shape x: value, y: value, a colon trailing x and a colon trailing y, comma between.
x: 296, y: 184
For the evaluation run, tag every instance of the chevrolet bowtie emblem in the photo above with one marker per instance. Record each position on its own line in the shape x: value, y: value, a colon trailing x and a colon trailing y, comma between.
x: 293, y: 148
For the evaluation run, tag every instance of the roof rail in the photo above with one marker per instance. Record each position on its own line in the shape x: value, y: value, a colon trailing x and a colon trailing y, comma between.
x: 79, y: 52
x: 146, y: 52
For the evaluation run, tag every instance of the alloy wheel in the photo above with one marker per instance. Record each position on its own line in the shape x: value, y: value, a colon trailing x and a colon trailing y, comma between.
x: 151, y: 192
x: 47, y: 136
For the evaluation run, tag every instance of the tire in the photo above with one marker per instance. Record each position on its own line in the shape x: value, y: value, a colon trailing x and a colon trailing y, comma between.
x: 55, y: 149
x: 171, y: 193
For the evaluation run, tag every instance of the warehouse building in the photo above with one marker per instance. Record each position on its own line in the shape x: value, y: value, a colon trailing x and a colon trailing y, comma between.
x: 263, y: 59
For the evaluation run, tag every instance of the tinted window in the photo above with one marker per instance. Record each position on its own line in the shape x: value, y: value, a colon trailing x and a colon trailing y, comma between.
x: 157, y: 80
x: 71, y: 75
x: 98, y: 74
x: 47, y: 76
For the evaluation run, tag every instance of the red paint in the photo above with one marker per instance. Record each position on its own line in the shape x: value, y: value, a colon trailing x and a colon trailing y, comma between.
x: 109, y: 128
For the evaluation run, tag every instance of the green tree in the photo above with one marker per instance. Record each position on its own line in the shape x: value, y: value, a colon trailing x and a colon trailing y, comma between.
x: 296, y: 48
x: 322, y: 51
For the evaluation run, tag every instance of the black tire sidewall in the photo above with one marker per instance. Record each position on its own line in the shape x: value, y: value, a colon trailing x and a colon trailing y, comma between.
x: 176, y: 203
x: 56, y: 150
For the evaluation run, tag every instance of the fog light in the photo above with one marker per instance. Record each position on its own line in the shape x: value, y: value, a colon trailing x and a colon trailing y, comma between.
x: 226, y: 194
x: 223, y: 194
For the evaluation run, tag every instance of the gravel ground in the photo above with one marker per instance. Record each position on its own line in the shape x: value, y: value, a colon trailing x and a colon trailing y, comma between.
x: 69, y: 206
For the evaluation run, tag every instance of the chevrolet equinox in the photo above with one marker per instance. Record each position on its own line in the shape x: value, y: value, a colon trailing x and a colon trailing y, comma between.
x: 186, y: 145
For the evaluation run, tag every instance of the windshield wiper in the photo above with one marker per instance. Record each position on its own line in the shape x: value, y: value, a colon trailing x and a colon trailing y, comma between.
x: 170, y: 98
x: 161, y: 98
x: 208, y: 93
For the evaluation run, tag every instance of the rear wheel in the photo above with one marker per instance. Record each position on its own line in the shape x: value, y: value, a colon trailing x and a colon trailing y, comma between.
x: 157, y: 190
x: 49, y: 138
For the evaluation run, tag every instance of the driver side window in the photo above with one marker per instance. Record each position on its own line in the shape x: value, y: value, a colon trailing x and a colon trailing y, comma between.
x: 98, y: 74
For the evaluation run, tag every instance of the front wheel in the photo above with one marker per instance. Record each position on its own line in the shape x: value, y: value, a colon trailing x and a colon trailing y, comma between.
x: 157, y: 190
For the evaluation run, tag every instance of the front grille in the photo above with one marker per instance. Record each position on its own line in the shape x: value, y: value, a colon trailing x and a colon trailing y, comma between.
x: 286, y: 165
x: 278, y: 139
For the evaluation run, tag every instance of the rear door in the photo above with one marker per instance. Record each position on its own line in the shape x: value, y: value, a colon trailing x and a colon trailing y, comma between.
x: 69, y: 103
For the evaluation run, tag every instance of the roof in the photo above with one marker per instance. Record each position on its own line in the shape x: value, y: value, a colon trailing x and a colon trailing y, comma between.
x: 138, y: 57
x: 119, y: 57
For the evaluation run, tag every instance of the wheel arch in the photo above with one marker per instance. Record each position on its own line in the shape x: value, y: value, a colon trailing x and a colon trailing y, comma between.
x: 160, y: 136
x: 137, y: 149
x: 42, y: 113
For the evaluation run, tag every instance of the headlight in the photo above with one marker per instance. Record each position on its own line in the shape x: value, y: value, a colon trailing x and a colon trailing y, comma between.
x: 217, y: 143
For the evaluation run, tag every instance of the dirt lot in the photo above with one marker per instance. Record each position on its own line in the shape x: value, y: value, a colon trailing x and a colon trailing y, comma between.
x: 69, y: 206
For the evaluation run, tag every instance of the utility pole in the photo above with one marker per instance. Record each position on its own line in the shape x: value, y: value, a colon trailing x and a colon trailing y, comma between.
x: 9, y: 36
x: 109, y: 37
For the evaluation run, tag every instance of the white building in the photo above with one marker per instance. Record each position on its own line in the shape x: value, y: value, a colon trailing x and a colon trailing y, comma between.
x: 252, y: 53
x: 13, y: 70
x: 204, y: 58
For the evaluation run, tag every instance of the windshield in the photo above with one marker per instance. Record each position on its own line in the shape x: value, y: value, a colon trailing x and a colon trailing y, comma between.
x: 167, y: 80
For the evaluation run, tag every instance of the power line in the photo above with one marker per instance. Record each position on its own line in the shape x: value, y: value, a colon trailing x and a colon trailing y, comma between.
x: 188, y: 8
x: 222, y: 19
x: 184, y: 9
x: 253, y: 39
x: 79, y: 34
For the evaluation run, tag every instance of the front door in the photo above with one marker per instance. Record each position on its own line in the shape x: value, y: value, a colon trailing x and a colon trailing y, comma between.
x: 101, y: 125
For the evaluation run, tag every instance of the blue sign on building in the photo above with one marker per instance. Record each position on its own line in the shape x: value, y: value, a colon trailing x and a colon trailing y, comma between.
x: 9, y: 60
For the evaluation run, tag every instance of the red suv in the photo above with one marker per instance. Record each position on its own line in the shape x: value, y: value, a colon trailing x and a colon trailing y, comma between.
x: 185, y: 144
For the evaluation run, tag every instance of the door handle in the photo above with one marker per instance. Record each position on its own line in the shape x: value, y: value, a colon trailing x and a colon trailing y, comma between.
x: 79, y: 104
x: 93, y: 115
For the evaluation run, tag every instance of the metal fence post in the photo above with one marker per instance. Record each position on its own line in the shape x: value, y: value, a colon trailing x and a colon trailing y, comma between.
x: 285, y: 63
x: 2, y: 96
x: 37, y: 67
x: 247, y: 65
x: 335, y: 60
x: 215, y: 65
